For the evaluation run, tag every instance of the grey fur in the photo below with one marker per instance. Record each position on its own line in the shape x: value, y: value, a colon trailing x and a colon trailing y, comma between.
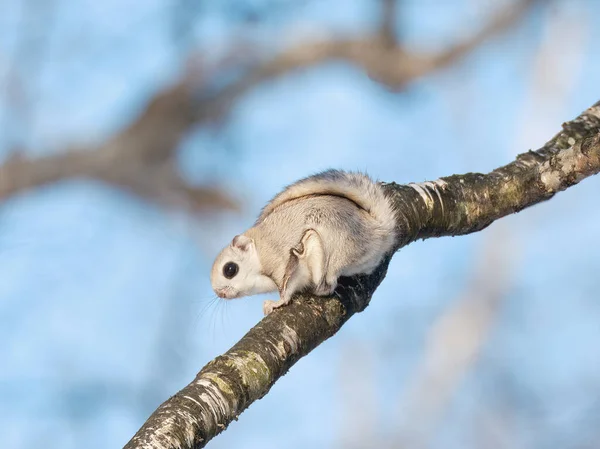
x: 322, y: 227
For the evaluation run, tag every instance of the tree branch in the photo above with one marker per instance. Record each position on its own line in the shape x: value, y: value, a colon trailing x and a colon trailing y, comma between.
x: 455, y: 205
x: 461, y: 204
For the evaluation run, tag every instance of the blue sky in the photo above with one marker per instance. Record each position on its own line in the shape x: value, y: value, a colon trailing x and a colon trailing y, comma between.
x: 105, y: 303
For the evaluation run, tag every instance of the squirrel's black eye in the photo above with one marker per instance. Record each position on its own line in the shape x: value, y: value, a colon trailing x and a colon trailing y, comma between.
x: 230, y: 269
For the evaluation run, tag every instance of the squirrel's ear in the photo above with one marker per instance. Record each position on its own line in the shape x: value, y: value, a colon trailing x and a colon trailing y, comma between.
x: 241, y: 242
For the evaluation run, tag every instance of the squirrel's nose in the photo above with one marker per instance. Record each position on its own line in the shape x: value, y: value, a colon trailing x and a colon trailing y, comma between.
x: 222, y: 293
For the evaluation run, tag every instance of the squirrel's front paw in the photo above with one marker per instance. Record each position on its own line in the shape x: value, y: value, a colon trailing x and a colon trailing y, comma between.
x: 269, y: 306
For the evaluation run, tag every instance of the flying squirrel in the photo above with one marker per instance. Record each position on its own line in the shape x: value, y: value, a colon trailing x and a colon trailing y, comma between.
x: 331, y: 224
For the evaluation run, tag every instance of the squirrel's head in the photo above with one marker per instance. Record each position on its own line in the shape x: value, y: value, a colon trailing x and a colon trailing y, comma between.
x: 237, y: 271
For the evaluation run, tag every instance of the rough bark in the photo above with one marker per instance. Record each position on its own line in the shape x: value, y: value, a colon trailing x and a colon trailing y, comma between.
x: 454, y: 205
x: 462, y: 204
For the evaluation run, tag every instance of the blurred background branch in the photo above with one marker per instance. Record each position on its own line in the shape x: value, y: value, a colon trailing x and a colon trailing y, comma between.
x: 141, y: 158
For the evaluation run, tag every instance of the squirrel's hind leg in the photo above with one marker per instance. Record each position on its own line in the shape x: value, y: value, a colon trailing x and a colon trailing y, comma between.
x: 307, y: 265
x: 292, y: 282
x: 291, y: 286
x: 326, y: 287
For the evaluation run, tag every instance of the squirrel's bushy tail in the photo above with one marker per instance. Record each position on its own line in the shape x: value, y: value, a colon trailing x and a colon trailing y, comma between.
x: 357, y: 187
